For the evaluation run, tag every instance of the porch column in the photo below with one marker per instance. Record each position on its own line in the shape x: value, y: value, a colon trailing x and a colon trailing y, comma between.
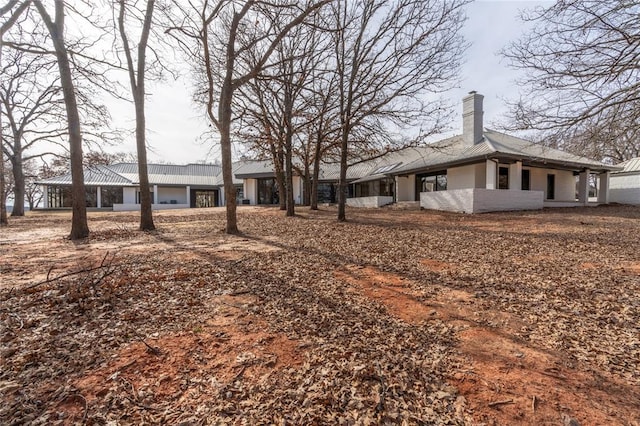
x: 515, y: 176
x: 603, y: 190
x: 45, y: 196
x: 155, y: 194
x: 583, y: 187
x: 99, y: 197
x: 490, y: 181
x: 188, y: 195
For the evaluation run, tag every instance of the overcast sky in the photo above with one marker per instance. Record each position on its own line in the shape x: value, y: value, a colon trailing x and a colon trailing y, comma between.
x: 175, y: 126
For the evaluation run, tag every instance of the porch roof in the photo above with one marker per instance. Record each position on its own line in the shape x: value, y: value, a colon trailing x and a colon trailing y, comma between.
x: 630, y: 166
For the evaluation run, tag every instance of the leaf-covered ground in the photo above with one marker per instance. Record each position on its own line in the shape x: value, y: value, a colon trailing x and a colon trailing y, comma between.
x: 395, y: 317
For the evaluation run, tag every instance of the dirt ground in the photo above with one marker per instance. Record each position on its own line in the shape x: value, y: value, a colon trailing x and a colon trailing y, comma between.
x: 394, y: 317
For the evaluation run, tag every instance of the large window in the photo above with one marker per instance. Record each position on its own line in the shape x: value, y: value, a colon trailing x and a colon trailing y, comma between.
x: 327, y: 192
x: 91, y: 196
x: 503, y: 177
x: 430, y: 182
x: 59, y: 196
x: 268, y: 191
x: 111, y: 195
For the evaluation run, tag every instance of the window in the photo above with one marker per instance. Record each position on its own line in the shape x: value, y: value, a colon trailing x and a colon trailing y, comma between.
x: 503, y: 177
x: 91, y: 196
x: 432, y: 182
x: 551, y: 187
x: 526, y: 180
x: 110, y: 195
x: 59, y: 196
x: 268, y: 191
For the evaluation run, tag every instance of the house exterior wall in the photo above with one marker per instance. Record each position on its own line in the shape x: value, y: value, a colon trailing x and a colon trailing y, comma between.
x: 168, y: 194
x: 369, y: 202
x: 461, y: 177
x: 624, y: 188
x: 405, y: 188
x: 129, y: 195
x: 251, y: 191
x: 297, y: 189
x: 478, y: 200
x: 565, y: 183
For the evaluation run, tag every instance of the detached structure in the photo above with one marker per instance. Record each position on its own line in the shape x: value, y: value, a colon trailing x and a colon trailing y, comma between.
x: 625, y: 183
x: 479, y: 171
x: 116, y: 186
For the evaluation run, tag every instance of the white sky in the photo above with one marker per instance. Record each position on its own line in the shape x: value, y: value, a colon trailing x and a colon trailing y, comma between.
x: 175, y: 126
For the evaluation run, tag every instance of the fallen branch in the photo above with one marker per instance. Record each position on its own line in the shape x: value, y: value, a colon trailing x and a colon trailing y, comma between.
x: 554, y: 374
x: 499, y: 403
x: 69, y: 274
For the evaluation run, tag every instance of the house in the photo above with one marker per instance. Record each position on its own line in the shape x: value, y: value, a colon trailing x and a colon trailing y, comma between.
x: 482, y: 170
x: 625, y: 183
x: 117, y: 186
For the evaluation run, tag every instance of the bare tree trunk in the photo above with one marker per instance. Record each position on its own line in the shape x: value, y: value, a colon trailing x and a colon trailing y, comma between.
x: 79, y: 226
x: 342, y: 184
x: 280, y: 177
x: 224, y: 114
x: 306, y: 187
x: 288, y: 141
x: 18, y: 185
x: 316, y: 173
x: 3, y: 206
x: 137, y: 80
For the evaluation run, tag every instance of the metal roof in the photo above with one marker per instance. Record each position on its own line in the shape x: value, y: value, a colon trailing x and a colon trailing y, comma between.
x: 126, y: 174
x: 630, y: 166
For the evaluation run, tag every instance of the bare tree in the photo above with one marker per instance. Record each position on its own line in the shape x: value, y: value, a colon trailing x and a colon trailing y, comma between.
x: 581, y: 72
x: 389, y: 55
x: 240, y: 27
x: 137, y: 81
x: 33, y: 111
x: 55, y: 27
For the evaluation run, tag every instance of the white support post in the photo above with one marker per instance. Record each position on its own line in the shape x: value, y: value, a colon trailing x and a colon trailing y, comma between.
x: 99, y: 197
x: 189, y: 196
x: 583, y: 187
x: 515, y: 176
x: 155, y: 194
x: 603, y: 190
x: 490, y: 181
x: 45, y: 196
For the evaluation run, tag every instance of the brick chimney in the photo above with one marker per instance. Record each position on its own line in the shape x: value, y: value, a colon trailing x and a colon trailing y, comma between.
x: 472, y: 118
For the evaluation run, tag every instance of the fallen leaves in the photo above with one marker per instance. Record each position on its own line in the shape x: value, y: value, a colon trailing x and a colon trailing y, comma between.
x: 274, y: 326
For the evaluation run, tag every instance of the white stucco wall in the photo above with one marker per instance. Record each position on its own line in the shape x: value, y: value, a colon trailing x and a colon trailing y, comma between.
x: 624, y: 189
x: 251, y: 190
x: 297, y: 189
x: 565, y: 183
x: 166, y: 194
x: 129, y: 195
x: 461, y: 177
x: 478, y: 200
x: 405, y: 188
x: 369, y: 202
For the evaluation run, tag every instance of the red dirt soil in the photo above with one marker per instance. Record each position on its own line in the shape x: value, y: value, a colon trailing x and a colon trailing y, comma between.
x: 504, y: 379
x: 231, y: 345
